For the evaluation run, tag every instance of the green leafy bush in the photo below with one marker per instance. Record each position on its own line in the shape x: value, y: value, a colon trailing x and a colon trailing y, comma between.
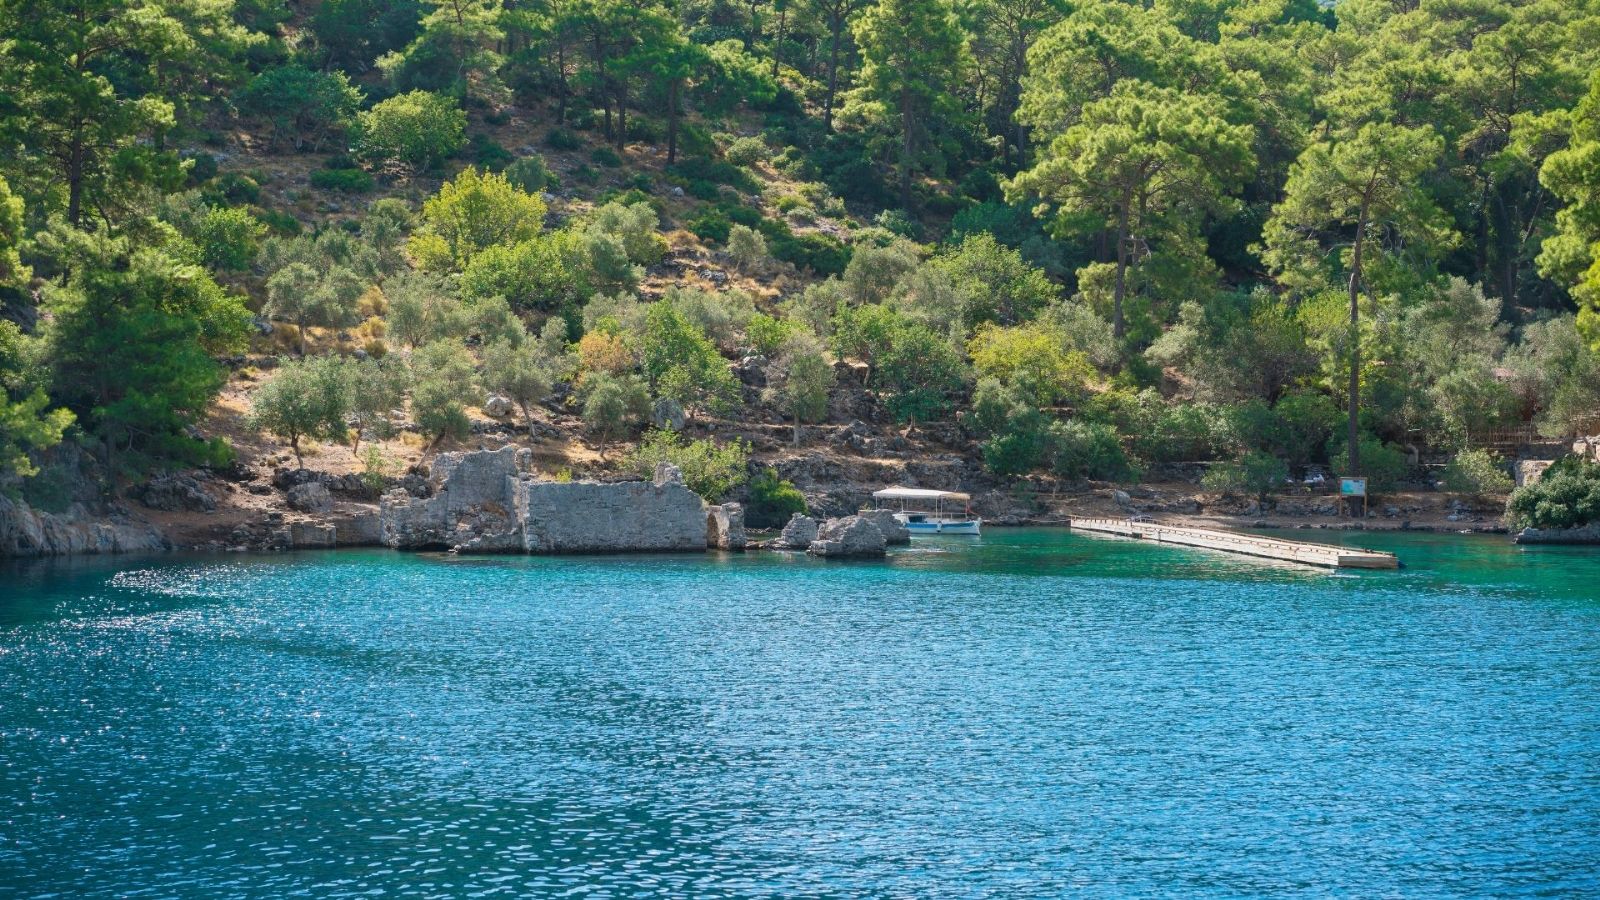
x: 1088, y: 450
x: 1566, y: 496
x: 349, y: 181
x: 489, y: 154
x: 412, y: 132
x: 1255, y: 474
x: 746, y: 151
x: 605, y: 156
x: 562, y: 139
x: 1384, y: 465
x: 530, y: 174
x: 709, y: 469
x: 1476, y: 473
x: 772, y: 500
x: 711, y: 225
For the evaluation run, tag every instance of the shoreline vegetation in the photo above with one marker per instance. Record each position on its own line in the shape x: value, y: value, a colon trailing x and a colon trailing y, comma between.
x: 262, y: 266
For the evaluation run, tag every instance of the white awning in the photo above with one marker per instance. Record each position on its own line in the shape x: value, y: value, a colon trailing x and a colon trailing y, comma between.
x: 905, y: 493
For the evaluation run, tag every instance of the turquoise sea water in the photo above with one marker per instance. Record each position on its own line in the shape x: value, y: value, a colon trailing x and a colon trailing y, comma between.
x: 1030, y: 714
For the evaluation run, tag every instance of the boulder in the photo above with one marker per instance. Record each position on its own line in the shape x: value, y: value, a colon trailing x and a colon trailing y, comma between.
x: 667, y: 473
x: 668, y: 414
x: 1585, y: 534
x: 497, y: 406
x: 1121, y: 499
x: 797, y: 534
x: 178, y: 492
x: 310, y: 497
x: 894, y: 532
x: 1529, y: 471
x: 851, y: 537
x: 725, y: 527
x: 358, y: 531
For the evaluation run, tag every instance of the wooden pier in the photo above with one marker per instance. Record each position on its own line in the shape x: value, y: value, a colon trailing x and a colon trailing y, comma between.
x: 1325, y: 555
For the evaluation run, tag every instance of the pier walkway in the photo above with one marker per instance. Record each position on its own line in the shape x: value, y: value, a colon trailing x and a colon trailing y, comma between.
x: 1325, y: 555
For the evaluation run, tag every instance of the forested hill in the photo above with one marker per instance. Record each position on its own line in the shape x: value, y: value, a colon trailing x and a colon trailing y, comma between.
x: 1080, y: 238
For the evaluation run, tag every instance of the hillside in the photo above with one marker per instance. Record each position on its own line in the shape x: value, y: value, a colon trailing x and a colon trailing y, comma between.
x: 1100, y: 258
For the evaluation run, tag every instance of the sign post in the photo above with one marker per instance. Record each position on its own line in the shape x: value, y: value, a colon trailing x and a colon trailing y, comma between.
x: 1353, y: 487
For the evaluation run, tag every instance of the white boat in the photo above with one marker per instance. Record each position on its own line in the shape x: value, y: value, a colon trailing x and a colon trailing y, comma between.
x: 929, y: 512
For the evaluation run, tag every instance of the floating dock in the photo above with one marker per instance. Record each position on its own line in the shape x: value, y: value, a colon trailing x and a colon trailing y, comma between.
x: 1325, y: 555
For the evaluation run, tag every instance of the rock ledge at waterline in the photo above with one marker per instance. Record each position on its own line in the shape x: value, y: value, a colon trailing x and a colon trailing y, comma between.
x: 484, y: 502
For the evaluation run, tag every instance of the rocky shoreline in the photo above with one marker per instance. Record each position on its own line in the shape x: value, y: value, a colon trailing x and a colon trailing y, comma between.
x: 493, y: 501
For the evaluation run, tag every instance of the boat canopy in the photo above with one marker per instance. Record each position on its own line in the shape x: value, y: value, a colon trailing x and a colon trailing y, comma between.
x: 905, y: 493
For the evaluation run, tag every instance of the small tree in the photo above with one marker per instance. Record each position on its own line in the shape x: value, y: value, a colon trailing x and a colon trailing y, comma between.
x: 1476, y: 473
x: 803, y: 376
x: 709, y: 469
x: 412, y: 132
x: 520, y: 373
x: 476, y: 211
x: 748, y: 249
x: 1256, y: 473
x: 683, y: 364
x: 306, y: 297
x: 301, y: 105
x: 613, y: 405
x: 634, y: 225
x: 422, y: 309
x: 306, y: 399
x: 772, y: 500
x: 375, y: 387
x: 445, y: 384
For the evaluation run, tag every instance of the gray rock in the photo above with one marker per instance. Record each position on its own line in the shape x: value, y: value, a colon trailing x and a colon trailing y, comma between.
x: 497, y: 406
x: 883, y: 519
x: 1121, y: 499
x: 25, y: 531
x: 667, y: 473
x: 851, y: 537
x: 1585, y: 534
x: 312, y: 536
x: 466, y: 504
x: 1529, y: 471
x: 797, y: 534
x: 176, y: 492
x: 668, y: 413
x: 725, y: 527
x: 358, y: 531
x: 310, y: 497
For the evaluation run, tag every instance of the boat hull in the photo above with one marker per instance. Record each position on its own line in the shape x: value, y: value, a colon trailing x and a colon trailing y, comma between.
x: 967, y: 526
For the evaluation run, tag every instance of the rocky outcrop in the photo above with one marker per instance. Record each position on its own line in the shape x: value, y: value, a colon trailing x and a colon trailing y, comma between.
x: 1529, y: 471
x: 894, y: 532
x: 312, y: 536
x: 798, y: 534
x: 25, y: 531
x: 481, y: 502
x: 312, y: 496
x: 178, y: 492
x: 725, y: 527
x: 1586, y: 534
x: 851, y: 537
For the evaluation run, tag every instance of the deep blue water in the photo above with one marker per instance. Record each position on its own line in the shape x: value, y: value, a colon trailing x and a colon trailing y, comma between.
x: 1028, y: 715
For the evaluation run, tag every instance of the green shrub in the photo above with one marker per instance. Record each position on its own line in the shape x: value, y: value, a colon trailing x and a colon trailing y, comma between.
x: 766, y: 334
x: 349, y: 181
x: 703, y: 190
x: 746, y: 151
x: 202, y: 167
x: 585, y: 175
x: 412, y: 132
x: 279, y: 222
x: 497, y: 117
x: 228, y: 238
x: 605, y: 156
x: 530, y: 174
x: 709, y: 469
x: 1383, y: 465
x: 562, y: 139
x: 1255, y: 474
x: 1476, y: 473
x: 237, y: 187
x: 1566, y: 496
x: 772, y: 500
x: 711, y: 225
x: 1081, y: 449
x: 489, y: 154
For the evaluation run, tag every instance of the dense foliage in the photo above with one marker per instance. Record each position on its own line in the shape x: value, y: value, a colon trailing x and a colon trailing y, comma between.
x: 1102, y: 236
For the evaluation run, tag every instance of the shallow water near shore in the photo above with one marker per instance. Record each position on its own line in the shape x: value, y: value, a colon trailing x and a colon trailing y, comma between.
x: 1021, y: 715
